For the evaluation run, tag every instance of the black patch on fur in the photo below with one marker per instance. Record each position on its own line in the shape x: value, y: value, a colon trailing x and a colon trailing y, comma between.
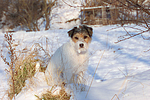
x: 89, y: 30
x: 81, y: 29
x: 72, y: 32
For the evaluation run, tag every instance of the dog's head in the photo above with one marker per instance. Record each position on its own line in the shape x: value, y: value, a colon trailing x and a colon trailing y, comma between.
x: 81, y: 37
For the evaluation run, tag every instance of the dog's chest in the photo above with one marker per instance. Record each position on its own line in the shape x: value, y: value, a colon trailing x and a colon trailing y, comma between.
x: 72, y: 58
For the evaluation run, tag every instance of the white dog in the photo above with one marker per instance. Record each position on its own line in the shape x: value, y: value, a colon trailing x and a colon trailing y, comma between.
x: 70, y: 61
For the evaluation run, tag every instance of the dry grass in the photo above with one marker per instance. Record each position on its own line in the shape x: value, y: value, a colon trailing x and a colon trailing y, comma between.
x: 21, y: 65
x: 24, y: 69
x: 49, y: 96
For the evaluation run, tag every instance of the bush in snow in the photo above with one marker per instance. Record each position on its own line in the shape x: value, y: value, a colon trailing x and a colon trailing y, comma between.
x: 21, y: 63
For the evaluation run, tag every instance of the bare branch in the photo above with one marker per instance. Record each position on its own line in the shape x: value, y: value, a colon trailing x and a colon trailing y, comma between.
x: 137, y: 5
x: 127, y: 31
x: 132, y: 36
x: 71, y: 5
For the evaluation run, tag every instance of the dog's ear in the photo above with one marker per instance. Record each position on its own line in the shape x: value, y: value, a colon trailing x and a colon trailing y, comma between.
x: 71, y: 32
x: 89, y: 30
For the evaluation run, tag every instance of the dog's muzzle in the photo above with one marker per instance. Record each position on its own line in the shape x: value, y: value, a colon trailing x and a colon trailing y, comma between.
x: 81, y: 47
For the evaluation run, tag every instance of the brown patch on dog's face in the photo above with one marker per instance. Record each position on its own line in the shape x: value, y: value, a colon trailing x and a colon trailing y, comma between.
x: 81, y: 37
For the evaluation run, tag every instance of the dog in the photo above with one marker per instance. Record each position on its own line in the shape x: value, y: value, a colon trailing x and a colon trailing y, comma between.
x: 70, y: 61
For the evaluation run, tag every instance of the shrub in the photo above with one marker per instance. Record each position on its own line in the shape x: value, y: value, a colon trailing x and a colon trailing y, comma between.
x: 26, y: 13
x: 3, y: 6
x: 21, y: 63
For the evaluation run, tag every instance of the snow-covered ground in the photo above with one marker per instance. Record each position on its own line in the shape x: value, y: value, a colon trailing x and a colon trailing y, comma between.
x: 123, y: 72
x: 122, y: 69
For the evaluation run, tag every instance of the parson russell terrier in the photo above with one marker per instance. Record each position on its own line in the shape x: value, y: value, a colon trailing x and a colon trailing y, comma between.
x: 70, y: 61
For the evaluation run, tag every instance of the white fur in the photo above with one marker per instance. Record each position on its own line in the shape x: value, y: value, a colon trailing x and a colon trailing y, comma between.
x: 68, y: 64
x: 78, y: 48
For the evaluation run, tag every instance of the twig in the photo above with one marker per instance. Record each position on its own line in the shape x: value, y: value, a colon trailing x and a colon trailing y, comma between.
x: 115, y: 96
x: 95, y: 73
x: 126, y: 31
x: 138, y: 6
x: 114, y: 28
x: 132, y: 36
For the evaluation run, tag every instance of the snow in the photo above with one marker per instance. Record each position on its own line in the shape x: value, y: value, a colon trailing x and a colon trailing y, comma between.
x: 64, y: 13
x: 123, y: 72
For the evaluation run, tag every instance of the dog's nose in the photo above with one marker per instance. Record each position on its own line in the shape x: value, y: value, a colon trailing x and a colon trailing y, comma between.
x: 81, y: 45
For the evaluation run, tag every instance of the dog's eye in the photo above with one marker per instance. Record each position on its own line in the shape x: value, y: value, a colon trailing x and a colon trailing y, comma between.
x: 76, y: 38
x: 85, y: 37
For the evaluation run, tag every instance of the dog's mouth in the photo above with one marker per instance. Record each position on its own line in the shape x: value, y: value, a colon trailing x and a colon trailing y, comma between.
x: 82, y: 50
x: 81, y: 47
